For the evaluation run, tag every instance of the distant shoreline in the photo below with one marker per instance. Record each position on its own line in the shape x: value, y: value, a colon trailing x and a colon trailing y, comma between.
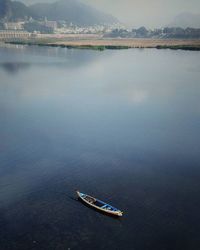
x: 102, y: 44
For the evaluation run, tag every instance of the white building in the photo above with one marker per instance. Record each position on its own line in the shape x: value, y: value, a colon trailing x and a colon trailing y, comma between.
x: 13, y: 25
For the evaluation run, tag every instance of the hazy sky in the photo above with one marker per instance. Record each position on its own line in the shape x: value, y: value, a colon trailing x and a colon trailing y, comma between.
x: 142, y: 12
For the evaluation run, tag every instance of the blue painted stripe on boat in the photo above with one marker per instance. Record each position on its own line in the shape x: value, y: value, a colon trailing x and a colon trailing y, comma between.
x: 104, y: 204
x: 101, y: 202
x: 114, y: 208
x: 82, y: 195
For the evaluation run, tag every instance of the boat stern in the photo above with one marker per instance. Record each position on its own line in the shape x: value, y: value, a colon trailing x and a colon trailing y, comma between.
x: 120, y: 213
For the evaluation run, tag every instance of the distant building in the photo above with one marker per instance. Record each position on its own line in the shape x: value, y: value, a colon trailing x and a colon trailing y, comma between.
x: 13, y: 25
x: 50, y: 24
x: 13, y: 34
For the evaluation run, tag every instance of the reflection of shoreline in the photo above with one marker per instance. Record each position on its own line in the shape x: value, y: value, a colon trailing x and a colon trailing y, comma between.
x: 22, y: 57
x: 13, y: 67
x: 101, y: 44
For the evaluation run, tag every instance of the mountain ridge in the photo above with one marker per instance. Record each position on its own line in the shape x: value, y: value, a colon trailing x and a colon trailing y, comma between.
x: 70, y: 10
x: 185, y: 20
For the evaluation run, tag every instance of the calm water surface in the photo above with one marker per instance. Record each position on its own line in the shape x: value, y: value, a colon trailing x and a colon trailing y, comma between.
x: 120, y: 125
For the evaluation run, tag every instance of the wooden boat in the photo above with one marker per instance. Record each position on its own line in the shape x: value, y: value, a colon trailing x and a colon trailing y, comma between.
x: 99, y: 205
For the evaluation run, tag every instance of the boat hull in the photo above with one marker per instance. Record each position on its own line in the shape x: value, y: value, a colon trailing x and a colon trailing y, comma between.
x: 99, y: 205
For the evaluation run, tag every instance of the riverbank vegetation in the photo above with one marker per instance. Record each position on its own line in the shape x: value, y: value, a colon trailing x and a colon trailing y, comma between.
x: 102, y: 44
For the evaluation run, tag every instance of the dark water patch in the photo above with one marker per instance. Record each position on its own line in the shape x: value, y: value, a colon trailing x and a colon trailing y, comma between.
x: 122, y: 126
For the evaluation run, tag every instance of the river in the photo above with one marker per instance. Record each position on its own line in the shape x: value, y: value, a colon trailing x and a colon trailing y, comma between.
x: 121, y: 125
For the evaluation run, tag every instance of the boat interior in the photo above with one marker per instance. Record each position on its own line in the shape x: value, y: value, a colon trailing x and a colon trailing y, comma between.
x: 97, y: 203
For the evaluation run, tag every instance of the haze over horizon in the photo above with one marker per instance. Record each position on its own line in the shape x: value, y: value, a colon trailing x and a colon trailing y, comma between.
x: 136, y: 13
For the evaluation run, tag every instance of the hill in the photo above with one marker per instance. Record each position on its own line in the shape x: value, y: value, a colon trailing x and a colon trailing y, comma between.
x: 13, y: 10
x: 70, y: 10
x: 185, y: 20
